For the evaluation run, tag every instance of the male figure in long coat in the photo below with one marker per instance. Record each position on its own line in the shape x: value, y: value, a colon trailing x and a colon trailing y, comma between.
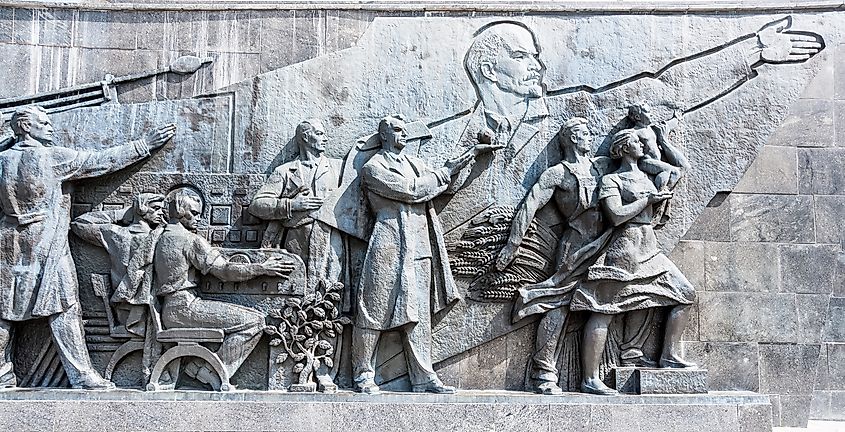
x: 406, y: 276
x: 37, y: 274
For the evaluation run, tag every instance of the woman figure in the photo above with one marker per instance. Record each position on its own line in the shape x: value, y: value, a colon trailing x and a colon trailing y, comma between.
x: 631, y: 274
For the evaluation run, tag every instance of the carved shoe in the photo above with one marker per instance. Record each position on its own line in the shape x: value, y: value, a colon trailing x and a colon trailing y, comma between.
x: 94, y: 382
x: 676, y: 363
x: 549, y: 388
x: 326, y: 385
x: 367, y: 387
x: 597, y: 387
x: 434, y: 386
x: 7, y: 377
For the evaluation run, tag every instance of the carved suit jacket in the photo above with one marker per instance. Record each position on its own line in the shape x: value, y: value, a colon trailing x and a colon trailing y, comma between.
x: 37, y: 275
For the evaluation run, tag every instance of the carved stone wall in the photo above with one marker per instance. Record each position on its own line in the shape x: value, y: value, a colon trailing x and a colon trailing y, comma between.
x: 765, y: 256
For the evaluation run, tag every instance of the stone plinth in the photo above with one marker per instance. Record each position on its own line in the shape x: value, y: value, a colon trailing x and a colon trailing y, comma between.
x: 498, y: 411
x: 635, y: 380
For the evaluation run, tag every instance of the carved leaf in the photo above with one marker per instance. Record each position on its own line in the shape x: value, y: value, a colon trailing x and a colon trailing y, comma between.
x: 298, y: 368
x: 275, y: 313
x: 328, y: 362
x: 293, y: 302
x: 309, y: 343
x: 275, y: 342
x: 302, y: 315
x: 308, y: 299
x: 298, y: 357
x: 324, y: 345
x: 299, y: 338
x: 308, y: 331
x: 283, y: 326
x: 281, y: 358
x: 320, y: 313
x: 316, y: 364
x: 344, y: 320
x: 317, y: 325
x: 338, y: 327
x: 335, y: 297
x: 270, y: 330
x: 334, y: 313
x: 330, y: 333
x: 288, y: 313
x: 318, y: 298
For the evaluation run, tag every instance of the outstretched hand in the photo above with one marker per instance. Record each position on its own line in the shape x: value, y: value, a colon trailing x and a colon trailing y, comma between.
x: 781, y: 45
x: 275, y: 266
x: 158, y: 137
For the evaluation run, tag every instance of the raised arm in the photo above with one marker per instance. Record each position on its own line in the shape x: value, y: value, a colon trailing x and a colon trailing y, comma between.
x: 90, y: 226
x: 539, y: 195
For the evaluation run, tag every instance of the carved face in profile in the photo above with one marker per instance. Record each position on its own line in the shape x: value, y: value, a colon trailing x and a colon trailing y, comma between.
x: 190, y: 213
x: 643, y: 113
x: 40, y: 127
x: 581, y: 138
x: 313, y: 137
x: 393, y: 134
x: 155, y: 214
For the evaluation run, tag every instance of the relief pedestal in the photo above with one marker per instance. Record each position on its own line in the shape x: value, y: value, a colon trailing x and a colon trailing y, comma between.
x: 499, y: 411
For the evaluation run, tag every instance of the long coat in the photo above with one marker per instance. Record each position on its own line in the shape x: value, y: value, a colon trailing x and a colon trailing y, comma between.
x: 399, y: 191
x: 318, y: 244
x: 37, y: 274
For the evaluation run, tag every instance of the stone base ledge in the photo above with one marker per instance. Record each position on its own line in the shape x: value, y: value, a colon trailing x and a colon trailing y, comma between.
x: 499, y: 411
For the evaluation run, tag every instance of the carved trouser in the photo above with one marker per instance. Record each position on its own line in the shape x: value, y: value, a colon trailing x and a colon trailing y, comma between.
x: 416, y: 339
x: 548, y: 345
x: 241, y: 325
x: 69, y: 337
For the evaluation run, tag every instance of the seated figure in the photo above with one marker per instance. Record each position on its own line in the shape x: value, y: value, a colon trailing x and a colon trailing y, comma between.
x: 180, y: 257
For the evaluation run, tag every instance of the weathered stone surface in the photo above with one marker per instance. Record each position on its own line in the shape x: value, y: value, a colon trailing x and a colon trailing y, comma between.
x: 730, y: 365
x: 714, y: 222
x: 6, y: 24
x: 809, y: 124
x: 772, y: 218
x: 794, y: 410
x: 101, y: 29
x: 808, y: 268
x: 44, y: 26
x: 835, y: 366
x: 819, y: 172
x: 839, y: 115
x: 620, y: 418
x: 774, y: 171
x: 741, y: 267
x: 812, y: 315
x: 828, y: 212
x: 660, y: 381
x: 755, y: 418
x: 785, y: 369
x: 689, y: 256
x: 746, y: 317
x: 824, y: 81
x: 834, y: 330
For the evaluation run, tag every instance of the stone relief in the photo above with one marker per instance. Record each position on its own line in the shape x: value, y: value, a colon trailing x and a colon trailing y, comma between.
x: 416, y: 219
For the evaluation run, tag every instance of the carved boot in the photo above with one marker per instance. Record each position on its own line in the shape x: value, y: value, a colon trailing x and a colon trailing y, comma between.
x: 635, y: 357
x: 549, y: 388
x: 434, y: 386
x: 93, y: 382
x: 597, y: 387
x: 367, y: 387
x: 676, y: 363
x: 7, y: 376
x: 326, y: 385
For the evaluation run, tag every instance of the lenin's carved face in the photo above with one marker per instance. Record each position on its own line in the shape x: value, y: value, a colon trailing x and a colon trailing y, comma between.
x: 517, y: 68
